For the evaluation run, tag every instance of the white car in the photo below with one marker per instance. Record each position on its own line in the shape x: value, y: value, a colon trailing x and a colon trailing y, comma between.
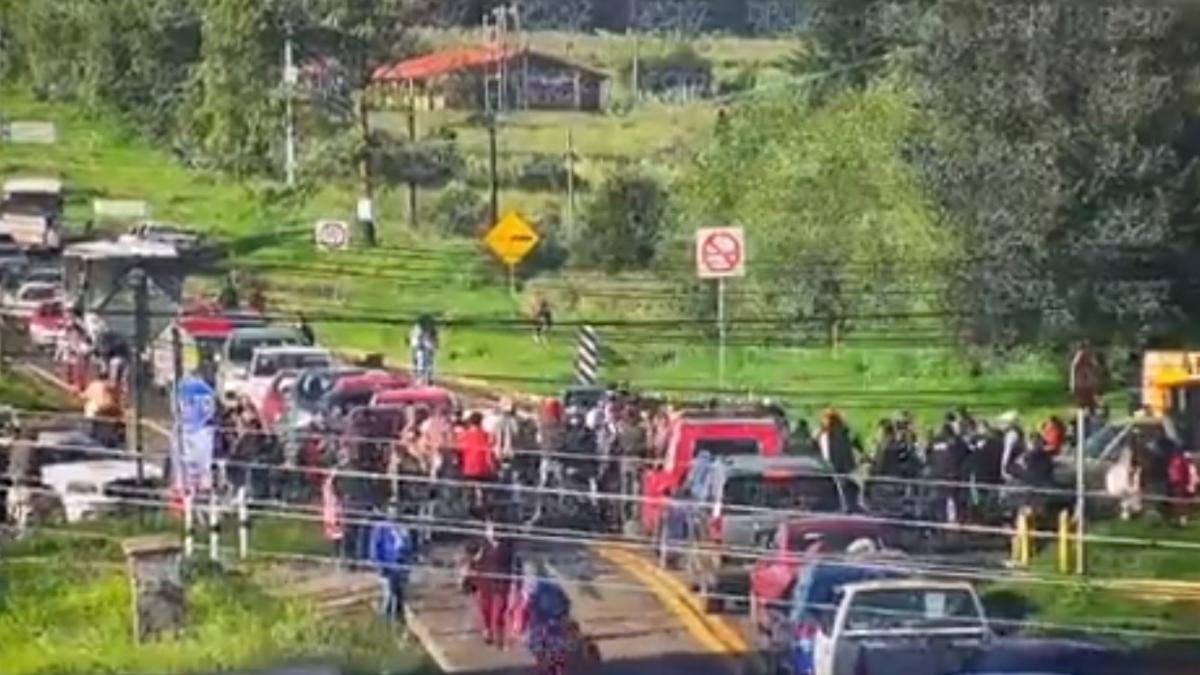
x: 268, y: 362
x: 23, y: 302
x: 80, y: 486
x: 233, y: 362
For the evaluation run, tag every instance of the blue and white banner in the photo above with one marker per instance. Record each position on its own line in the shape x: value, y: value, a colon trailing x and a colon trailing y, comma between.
x: 195, y: 437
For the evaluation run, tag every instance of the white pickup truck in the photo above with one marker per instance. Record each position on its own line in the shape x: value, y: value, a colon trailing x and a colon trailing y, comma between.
x: 903, y: 627
x: 31, y: 211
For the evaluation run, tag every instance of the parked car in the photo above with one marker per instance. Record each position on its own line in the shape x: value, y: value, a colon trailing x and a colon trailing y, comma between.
x: 909, y: 626
x: 47, y: 324
x: 233, y: 361
x: 789, y: 639
x: 185, y: 240
x: 800, y: 542
x: 31, y: 211
x: 24, y: 301
x: 201, y: 340
x: 85, y: 488
x: 717, y: 433
x: 433, y: 397
x: 734, y: 500
x: 266, y: 362
x: 48, y: 275
x: 274, y: 401
x: 1044, y: 656
x: 301, y: 409
x: 356, y: 391
x: 13, y: 261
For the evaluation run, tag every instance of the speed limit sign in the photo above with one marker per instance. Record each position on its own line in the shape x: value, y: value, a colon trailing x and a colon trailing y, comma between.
x: 332, y: 235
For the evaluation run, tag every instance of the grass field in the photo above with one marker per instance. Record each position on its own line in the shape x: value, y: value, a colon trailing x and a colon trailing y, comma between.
x: 417, y: 271
x: 25, y: 394
x: 65, y: 608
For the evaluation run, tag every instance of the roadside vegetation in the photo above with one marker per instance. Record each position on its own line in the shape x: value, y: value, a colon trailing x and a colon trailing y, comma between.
x: 65, y: 606
x: 23, y: 393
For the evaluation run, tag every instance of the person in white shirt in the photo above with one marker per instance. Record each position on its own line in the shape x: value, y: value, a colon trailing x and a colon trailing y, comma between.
x: 502, y: 427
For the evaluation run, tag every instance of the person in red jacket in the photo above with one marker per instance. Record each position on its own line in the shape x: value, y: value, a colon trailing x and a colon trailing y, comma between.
x: 477, y: 461
x: 493, y: 567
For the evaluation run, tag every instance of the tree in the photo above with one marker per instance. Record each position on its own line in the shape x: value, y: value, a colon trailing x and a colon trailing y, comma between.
x: 236, y: 117
x: 133, y: 57
x: 624, y: 222
x: 848, y: 42
x: 837, y: 224
x: 1066, y: 157
x: 360, y: 35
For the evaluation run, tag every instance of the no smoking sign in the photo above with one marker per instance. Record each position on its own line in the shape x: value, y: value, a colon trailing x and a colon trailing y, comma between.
x: 720, y: 252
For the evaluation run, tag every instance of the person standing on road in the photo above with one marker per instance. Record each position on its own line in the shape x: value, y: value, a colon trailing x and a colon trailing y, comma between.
x: 493, y: 568
x: 391, y: 552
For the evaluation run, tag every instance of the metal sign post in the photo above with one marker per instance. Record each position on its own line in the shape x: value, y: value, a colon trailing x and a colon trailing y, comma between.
x: 720, y: 255
x: 721, y: 332
x: 1080, y: 489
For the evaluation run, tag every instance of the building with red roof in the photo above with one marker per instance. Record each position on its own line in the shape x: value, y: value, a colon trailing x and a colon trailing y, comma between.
x: 456, y: 78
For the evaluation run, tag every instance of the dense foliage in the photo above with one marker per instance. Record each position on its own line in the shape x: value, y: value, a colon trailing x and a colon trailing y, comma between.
x: 1065, y: 153
x: 835, y: 220
x: 624, y: 223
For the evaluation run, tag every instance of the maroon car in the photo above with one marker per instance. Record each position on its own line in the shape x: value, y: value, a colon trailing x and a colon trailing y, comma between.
x: 801, y: 540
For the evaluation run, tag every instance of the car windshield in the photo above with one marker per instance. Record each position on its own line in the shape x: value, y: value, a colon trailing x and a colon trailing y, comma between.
x: 32, y: 204
x: 1096, y: 443
x: 816, y: 593
x: 795, y: 493
x: 242, y: 350
x: 39, y: 293
x: 727, y: 447
x: 268, y: 365
x: 912, y: 608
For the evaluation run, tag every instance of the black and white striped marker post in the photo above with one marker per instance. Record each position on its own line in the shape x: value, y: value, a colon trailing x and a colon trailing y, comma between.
x: 587, y: 356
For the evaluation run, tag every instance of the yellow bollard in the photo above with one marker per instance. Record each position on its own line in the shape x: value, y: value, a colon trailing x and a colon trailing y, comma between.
x: 1026, y: 538
x: 1020, y: 545
x: 1064, y: 541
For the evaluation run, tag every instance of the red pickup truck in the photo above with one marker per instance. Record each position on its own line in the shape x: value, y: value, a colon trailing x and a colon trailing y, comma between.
x: 718, y: 433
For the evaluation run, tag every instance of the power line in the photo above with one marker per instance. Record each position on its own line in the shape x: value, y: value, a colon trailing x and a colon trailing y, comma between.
x: 879, y: 562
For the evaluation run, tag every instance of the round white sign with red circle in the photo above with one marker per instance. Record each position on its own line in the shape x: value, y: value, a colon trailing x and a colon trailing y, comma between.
x: 720, y: 252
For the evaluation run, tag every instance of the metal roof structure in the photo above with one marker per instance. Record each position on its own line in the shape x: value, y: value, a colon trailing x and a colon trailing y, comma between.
x: 36, y: 185
x: 463, y: 58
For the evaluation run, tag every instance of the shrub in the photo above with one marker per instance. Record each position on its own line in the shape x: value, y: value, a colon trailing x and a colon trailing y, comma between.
x: 624, y: 221
x: 459, y: 211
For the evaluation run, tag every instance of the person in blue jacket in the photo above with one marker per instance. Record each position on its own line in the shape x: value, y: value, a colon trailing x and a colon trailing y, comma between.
x: 545, y: 615
x: 391, y: 553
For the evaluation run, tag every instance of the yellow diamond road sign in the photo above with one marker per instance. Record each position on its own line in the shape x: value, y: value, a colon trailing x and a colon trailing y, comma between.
x: 511, y: 239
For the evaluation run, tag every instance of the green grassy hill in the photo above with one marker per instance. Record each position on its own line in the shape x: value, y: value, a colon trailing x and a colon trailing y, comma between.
x: 418, y: 271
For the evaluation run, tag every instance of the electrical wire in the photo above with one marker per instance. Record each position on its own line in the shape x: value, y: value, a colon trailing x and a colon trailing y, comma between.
x: 882, y: 563
x: 665, y: 503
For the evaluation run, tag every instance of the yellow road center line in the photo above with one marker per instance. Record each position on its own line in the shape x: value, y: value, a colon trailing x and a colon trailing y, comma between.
x: 713, y: 633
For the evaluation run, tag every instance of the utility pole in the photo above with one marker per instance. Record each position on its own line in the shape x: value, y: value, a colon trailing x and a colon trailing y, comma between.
x: 289, y: 85
x: 631, y: 29
x: 138, y: 371
x: 492, y: 152
x: 412, y: 138
x: 570, y: 184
